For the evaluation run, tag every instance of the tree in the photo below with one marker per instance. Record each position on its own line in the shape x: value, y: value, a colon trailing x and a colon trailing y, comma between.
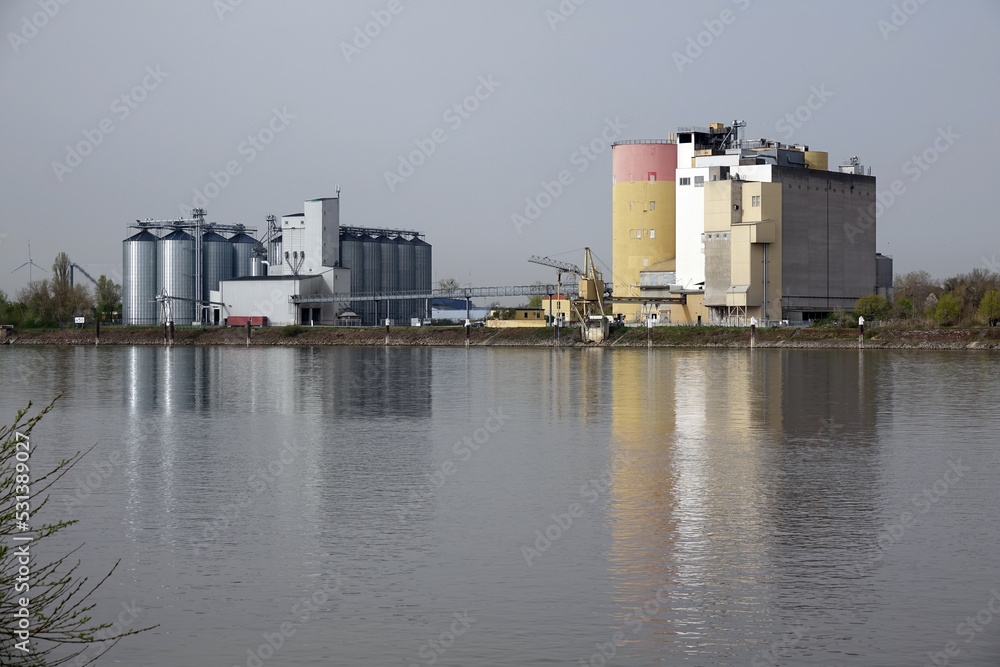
x: 947, y: 311
x: 108, y: 296
x: 535, y: 302
x: 904, y: 308
x: 989, y: 307
x: 54, y: 596
x: 915, y: 286
x: 930, y: 303
x: 67, y: 300
x: 449, y: 286
x: 872, y: 307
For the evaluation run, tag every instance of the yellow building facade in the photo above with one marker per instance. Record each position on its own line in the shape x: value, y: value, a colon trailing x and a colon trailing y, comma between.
x: 643, y: 215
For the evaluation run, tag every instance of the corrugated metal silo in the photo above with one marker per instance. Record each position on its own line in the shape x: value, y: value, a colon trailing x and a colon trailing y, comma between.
x: 422, y: 269
x: 373, y: 276
x: 242, y: 245
x: 390, y: 272
x: 217, y: 261
x: 406, y: 253
x: 139, y: 279
x: 352, y: 256
x: 274, y: 255
x: 175, y: 273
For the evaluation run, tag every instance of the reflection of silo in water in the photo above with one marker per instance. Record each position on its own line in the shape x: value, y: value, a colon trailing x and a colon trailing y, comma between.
x: 175, y: 273
x: 140, y: 387
x: 390, y: 272
x: 352, y: 256
x: 406, y: 255
x: 242, y: 245
x: 139, y: 282
x: 643, y: 498
x: 218, y: 261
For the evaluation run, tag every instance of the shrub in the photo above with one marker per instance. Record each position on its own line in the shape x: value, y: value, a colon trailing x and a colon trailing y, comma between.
x: 292, y: 330
x: 989, y: 307
x: 947, y: 311
x: 904, y: 308
x: 873, y: 307
x: 59, y: 600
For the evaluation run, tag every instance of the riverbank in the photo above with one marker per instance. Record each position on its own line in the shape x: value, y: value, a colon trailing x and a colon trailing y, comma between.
x: 692, y: 337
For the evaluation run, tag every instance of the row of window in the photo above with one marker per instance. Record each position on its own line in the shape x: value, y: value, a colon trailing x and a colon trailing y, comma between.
x: 637, y: 233
x: 632, y: 204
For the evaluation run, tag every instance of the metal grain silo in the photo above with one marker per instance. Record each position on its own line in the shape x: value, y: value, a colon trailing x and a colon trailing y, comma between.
x: 274, y: 254
x: 217, y: 261
x: 390, y: 272
x: 373, y: 276
x: 352, y: 256
x: 406, y: 254
x: 421, y: 267
x: 242, y: 245
x: 422, y: 262
x: 139, y: 280
x: 175, y: 273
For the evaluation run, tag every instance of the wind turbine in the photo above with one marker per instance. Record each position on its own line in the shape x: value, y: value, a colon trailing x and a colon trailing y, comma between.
x: 30, y: 263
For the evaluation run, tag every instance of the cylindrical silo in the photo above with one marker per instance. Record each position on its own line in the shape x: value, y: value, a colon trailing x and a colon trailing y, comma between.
x: 643, y: 204
x: 373, y: 276
x: 390, y: 273
x: 407, y: 257
x: 421, y: 267
x: 175, y: 273
x: 352, y: 256
x: 217, y: 261
x: 274, y: 254
x: 242, y: 250
x: 139, y: 280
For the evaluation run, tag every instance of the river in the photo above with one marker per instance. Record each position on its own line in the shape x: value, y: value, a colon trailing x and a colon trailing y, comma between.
x: 449, y: 506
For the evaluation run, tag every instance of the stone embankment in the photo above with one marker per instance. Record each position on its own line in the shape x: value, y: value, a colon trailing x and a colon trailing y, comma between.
x: 693, y: 337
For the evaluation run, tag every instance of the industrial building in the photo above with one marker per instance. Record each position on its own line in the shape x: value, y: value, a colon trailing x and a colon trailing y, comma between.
x: 188, y: 271
x: 740, y: 229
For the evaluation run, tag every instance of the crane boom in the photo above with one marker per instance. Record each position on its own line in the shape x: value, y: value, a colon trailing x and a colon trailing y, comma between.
x: 563, y: 266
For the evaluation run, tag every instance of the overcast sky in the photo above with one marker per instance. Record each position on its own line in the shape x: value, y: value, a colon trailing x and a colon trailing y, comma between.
x: 115, y: 111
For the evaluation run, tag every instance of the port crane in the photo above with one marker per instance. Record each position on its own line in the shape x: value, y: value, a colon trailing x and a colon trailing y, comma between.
x: 77, y: 267
x: 589, y: 304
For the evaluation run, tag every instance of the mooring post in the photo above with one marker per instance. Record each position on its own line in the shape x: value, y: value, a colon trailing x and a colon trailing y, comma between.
x: 248, y: 332
x: 387, y: 331
x: 97, y: 332
x: 649, y: 331
x: 468, y: 330
x: 171, y: 332
x: 861, y: 332
x: 753, y: 332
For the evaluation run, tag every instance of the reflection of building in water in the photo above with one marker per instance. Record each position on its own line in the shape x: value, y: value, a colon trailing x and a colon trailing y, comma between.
x: 643, y: 498
x: 738, y: 458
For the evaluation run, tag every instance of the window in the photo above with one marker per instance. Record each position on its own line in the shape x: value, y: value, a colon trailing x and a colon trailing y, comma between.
x: 652, y: 176
x: 755, y: 200
x: 638, y: 233
x: 526, y: 316
x: 645, y: 262
x: 699, y: 181
x: 715, y: 177
x: 631, y: 233
x: 652, y: 233
x: 652, y: 206
x: 686, y: 181
x: 630, y: 205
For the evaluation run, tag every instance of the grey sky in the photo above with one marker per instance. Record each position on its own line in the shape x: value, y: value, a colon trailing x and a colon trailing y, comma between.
x: 889, y: 95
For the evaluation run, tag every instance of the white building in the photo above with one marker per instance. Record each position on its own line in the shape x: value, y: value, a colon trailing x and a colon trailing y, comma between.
x: 310, y: 265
